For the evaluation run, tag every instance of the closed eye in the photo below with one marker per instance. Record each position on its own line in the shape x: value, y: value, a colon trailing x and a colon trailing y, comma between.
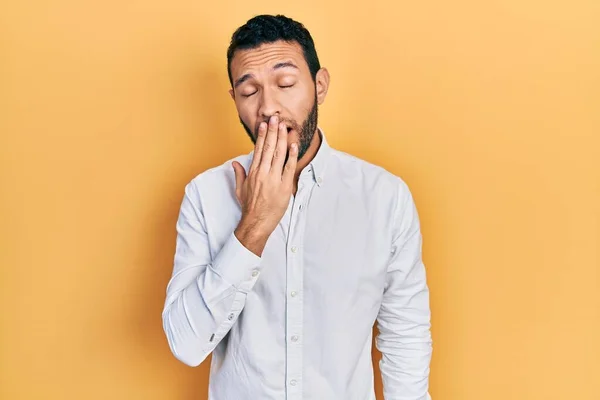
x: 281, y: 86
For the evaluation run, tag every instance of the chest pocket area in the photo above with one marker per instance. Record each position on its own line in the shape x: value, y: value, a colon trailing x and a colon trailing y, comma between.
x: 346, y: 265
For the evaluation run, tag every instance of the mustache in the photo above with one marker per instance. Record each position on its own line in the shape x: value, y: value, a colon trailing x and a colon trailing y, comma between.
x: 288, y: 122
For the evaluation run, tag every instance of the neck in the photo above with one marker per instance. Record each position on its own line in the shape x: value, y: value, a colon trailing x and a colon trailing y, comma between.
x: 311, y: 152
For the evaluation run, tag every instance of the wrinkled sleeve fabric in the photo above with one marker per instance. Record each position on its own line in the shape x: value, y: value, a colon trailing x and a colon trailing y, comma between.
x: 205, y: 293
x: 404, y: 338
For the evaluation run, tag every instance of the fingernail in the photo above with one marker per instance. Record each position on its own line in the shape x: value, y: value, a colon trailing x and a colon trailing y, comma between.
x: 274, y: 120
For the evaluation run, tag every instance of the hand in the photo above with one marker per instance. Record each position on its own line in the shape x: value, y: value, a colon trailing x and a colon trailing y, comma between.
x: 264, y: 193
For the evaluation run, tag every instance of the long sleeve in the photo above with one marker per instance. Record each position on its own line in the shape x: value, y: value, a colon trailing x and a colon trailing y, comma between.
x: 404, y: 337
x: 204, y: 296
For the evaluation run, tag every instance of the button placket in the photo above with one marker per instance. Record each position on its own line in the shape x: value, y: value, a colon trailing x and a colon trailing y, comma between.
x: 294, y: 312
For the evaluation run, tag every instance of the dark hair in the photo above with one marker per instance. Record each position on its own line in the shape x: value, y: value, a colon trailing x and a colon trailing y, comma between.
x: 271, y: 28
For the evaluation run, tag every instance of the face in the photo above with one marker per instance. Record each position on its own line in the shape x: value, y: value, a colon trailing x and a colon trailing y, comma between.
x: 274, y: 79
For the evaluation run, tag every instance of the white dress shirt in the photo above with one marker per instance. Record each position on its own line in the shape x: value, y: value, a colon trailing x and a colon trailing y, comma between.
x: 297, y: 322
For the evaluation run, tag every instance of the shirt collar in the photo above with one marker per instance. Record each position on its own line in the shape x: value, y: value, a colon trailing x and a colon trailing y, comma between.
x: 318, y: 164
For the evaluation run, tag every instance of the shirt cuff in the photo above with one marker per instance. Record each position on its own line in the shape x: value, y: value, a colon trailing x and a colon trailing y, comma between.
x: 235, y: 263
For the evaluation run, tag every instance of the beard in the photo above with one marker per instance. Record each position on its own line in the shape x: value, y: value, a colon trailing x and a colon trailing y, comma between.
x: 306, y: 131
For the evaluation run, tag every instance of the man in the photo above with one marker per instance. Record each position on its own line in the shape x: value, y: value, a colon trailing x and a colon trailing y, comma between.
x: 287, y: 256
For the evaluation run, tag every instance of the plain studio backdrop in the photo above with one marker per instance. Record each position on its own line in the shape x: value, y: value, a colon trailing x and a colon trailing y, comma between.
x: 489, y: 110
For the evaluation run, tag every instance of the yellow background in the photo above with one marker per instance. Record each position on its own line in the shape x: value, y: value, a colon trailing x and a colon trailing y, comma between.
x: 490, y: 111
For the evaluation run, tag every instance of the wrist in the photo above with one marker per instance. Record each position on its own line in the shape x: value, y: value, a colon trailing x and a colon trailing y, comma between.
x: 252, y: 235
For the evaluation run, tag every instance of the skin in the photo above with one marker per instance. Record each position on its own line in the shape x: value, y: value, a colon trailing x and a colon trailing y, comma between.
x: 272, y: 86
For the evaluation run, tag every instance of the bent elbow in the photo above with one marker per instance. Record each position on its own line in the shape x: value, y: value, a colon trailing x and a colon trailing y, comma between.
x: 185, y: 348
x: 188, y: 358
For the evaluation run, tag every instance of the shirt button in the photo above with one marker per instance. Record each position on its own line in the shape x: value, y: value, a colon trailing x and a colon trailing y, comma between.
x: 230, y: 317
x: 294, y: 249
x: 294, y: 338
x: 294, y: 293
x: 300, y: 207
x: 320, y: 180
x: 255, y: 273
x: 293, y: 382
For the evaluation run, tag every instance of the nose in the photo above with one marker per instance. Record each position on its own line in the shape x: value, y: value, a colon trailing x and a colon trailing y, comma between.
x: 269, y: 105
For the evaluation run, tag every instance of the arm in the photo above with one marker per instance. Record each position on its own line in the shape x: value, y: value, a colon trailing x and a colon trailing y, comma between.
x: 404, y: 337
x: 204, y: 297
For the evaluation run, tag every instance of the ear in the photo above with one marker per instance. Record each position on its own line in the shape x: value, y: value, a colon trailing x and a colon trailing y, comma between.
x: 322, y: 84
x: 232, y: 94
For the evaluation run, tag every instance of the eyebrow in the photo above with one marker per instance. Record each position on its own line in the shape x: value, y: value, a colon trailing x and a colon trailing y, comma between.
x: 286, y: 64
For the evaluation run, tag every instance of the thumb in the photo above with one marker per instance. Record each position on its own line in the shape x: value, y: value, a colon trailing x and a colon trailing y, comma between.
x: 240, y: 177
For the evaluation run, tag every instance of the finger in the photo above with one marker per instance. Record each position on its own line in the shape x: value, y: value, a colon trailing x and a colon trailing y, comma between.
x: 258, y: 146
x: 280, y: 149
x: 269, y: 145
x: 290, y: 165
x: 240, y: 177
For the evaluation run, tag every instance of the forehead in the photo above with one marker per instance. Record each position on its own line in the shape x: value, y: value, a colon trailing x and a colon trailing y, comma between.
x: 267, y: 55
